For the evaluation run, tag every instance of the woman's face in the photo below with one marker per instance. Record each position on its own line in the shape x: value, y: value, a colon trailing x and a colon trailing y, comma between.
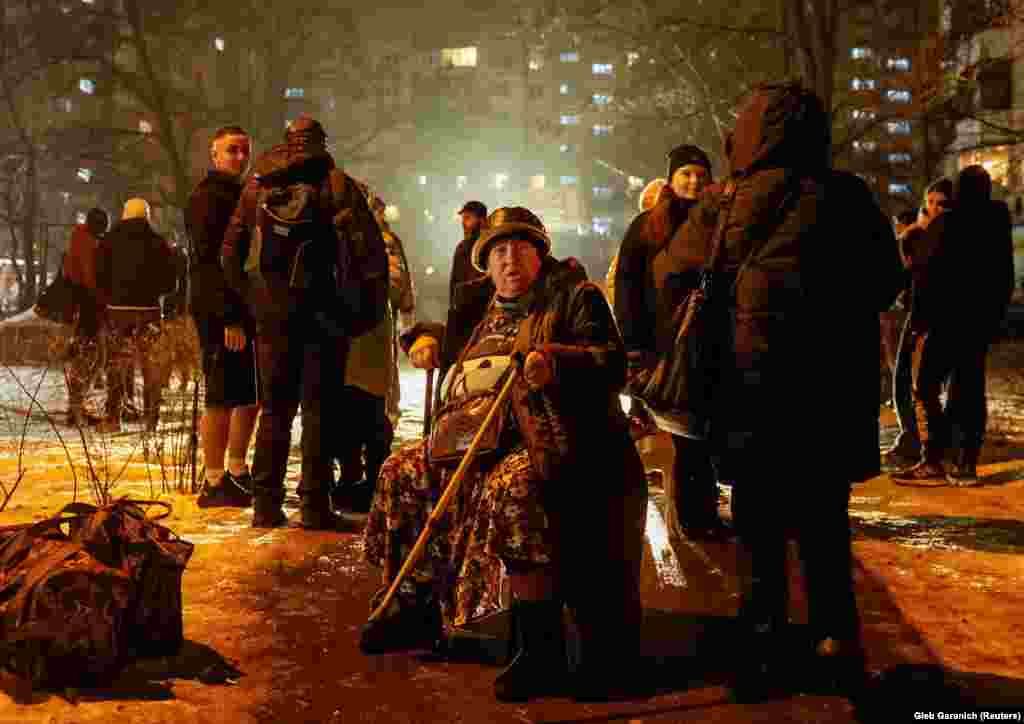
x: 513, y: 264
x: 689, y: 180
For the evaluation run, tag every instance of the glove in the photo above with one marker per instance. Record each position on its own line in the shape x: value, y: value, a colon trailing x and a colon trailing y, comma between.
x: 425, y: 353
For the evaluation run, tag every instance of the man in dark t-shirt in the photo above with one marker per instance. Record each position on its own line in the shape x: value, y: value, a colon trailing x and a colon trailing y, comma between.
x: 224, y: 326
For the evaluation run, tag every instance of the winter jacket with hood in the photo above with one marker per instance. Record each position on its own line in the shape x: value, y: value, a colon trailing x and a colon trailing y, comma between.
x: 819, y: 263
x: 135, y: 265
x: 962, y: 265
x: 206, y: 218
x: 271, y: 299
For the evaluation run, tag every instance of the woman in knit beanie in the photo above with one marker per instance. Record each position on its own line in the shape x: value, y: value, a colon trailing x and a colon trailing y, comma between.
x: 693, y: 488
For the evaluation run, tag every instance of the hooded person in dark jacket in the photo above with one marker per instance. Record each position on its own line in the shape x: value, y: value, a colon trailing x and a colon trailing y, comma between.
x: 305, y: 251
x: 637, y: 280
x: 798, y: 241
x: 963, y: 278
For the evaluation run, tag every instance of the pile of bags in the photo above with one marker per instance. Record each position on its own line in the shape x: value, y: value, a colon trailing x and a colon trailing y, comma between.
x: 85, y: 592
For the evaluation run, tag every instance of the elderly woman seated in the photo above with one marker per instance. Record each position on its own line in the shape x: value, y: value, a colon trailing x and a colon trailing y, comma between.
x: 560, y: 501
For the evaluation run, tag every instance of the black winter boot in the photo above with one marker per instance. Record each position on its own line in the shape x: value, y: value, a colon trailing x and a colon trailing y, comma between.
x: 317, y: 513
x: 412, y: 621
x: 267, y: 510
x: 540, y: 668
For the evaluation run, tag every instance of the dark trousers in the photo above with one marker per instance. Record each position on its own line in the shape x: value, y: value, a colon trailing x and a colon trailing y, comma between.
x: 298, y: 363
x: 773, y: 503
x: 945, y: 356
x: 903, y: 388
x: 696, y: 483
x: 372, y: 432
x: 132, y: 342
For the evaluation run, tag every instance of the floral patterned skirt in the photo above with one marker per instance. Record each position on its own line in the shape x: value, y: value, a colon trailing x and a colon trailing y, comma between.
x: 497, y: 516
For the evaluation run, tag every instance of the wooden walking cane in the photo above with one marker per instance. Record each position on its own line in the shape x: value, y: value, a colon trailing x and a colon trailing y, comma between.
x: 428, y: 404
x: 446, y: 497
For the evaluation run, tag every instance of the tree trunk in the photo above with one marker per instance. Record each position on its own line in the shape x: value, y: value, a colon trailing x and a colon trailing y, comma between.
x: 29, y: 229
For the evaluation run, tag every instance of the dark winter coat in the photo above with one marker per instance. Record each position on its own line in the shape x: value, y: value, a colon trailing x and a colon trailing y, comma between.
x: 356, y: 251
x: 206, y: 218
x: 135, y: 265
x: 962, y: 267
x: 639, y: 273
x: 804, y: 328
x: 467, y: 287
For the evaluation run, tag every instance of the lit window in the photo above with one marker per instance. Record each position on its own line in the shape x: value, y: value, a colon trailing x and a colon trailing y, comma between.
x: 862, y: 114
x: 570, y: 120
x: 861, y: 53
x: 898, y: 96
x: 218, y: 43
x: 288, y: 122
x: 602, y: 130
x: 294, y: 92
x: 566, y: 148
x: 536, y: 64
x: 570, y: 56
x: 899, y: 158
x: 636, y: 183
x: 602, y: 192
x: 601, y: 225
x: 602, y: 68
x: 538, y: 182
x: 66, y: 196
x: 88, y: 2
x: 85, y: 174
x: 80, y: 217
x: 898, y: 63
x: 461, y: 182
x: 500, y: 181
x: 568, y: 180
x: 899, y: 188
x: 459, y: 57
x: 145, y: 126
x: 862, y: 84
x: 600, y: 99
x: 632, y: 58
x: 63, y: 105
x: 423, y: 180
x: 87, y: 86
x: 865, y: 146
x: 565, y: 89
x: 898, y: 128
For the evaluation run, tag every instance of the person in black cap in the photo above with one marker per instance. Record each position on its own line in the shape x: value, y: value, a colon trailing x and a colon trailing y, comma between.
x: 636, y: 308
x: 474, y: 218
x: 305, y: 252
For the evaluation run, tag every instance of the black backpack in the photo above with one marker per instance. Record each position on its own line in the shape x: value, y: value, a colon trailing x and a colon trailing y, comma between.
x: 308, y: 238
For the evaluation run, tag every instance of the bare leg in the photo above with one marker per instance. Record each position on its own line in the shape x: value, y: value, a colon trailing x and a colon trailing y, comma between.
x: 239, y: 433
x: 215, y: 426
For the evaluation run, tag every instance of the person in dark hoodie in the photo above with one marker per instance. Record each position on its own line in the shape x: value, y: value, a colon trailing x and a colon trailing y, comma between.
x: 305, y: 251
x: 695, y: 481
x: 135, y: 267
x: 804, y: 332
x: 224, y: 326
x: 962, y: 269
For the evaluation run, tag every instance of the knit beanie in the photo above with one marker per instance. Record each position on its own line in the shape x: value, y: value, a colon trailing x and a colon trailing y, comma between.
x: 685, y: 155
